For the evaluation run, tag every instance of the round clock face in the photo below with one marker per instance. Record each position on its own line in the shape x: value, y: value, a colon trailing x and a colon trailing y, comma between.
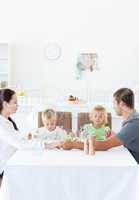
x: 52, y: 51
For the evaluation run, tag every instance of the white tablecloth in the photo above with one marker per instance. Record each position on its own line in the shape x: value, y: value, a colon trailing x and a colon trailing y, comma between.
x: 71, y: 175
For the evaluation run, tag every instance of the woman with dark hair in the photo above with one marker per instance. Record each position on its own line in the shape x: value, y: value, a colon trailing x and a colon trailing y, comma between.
x: 5, y: 95
x: 10, y: 139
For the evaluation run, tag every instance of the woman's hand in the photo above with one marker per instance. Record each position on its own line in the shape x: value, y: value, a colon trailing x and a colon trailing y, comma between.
x: 56, y: 144
x: 29, y: 136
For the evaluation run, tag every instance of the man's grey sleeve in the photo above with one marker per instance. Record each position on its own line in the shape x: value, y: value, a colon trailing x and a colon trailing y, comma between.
x: 128, y: 133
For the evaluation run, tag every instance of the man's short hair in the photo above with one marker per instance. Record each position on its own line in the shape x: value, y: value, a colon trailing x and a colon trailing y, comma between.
x: 126, y: 95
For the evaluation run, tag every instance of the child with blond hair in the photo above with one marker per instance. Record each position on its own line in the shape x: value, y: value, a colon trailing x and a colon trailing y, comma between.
x: 49, y: 131
x: 97, y: 127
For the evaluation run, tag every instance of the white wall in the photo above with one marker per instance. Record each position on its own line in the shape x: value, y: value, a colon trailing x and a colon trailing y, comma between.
x: 108, y: 27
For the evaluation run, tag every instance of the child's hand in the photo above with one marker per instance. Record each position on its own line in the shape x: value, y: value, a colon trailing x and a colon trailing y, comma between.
x: 109, y: 134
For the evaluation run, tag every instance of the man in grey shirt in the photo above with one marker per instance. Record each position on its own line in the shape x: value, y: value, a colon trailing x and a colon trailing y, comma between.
x: 129, y: 134
x: 123, y: 102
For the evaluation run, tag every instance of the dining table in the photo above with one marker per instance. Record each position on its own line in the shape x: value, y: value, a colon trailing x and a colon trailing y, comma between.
x: 57, y: 174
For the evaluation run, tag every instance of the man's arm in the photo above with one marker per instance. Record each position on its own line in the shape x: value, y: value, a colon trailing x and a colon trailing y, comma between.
x: 112, y: 141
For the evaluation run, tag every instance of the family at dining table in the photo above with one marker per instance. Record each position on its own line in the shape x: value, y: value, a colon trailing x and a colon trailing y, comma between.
x: 123, y: 102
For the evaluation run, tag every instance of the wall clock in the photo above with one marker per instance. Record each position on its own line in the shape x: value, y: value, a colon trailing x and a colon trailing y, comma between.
x: 53, y: 51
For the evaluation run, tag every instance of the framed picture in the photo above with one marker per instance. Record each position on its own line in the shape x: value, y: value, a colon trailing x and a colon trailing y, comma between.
x: 86, y: 62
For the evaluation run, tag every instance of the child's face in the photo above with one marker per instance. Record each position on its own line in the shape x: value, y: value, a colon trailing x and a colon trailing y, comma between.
x: 50, y: 124
x: 97, y: 117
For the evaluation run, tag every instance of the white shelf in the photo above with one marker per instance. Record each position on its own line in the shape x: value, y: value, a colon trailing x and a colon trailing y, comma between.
x: 4, y: 64
x: 3, y: 50
x: 4, y: 59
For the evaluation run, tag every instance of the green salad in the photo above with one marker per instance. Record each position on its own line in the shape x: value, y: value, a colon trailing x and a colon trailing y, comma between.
x: 69, y: 137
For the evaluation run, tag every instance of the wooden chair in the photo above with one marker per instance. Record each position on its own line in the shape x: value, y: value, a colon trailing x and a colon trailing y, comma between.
x: 64, y: 119
x: 83, y: 118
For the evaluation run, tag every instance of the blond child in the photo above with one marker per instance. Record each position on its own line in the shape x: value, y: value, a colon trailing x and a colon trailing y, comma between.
x: 49, y: 131
x: 97, y: 127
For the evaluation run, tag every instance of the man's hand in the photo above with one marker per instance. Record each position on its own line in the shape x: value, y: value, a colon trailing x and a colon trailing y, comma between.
x: 66, y: 145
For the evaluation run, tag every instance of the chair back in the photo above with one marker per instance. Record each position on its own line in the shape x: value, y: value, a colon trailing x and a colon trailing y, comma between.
x: 83, y: 118
x: 64, y: 119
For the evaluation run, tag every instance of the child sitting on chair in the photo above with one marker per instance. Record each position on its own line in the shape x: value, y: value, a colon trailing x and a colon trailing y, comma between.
x: 98, y: 127
x: 49, y: 131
